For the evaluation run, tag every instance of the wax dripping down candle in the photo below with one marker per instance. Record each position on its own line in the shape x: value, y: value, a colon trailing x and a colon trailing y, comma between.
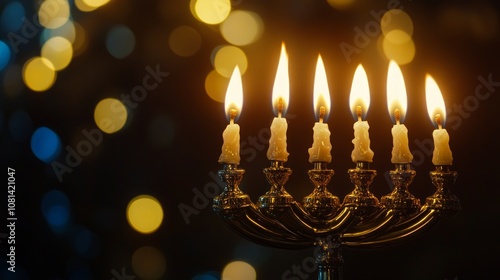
x: 233, y: 105
x: 397, y: 103
x: 437, y: 113
x: 321, y: 147
x: 281, y: 92
x: 359, y: 101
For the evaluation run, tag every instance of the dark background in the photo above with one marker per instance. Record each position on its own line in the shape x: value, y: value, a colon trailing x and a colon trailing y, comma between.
x: 455, y: 50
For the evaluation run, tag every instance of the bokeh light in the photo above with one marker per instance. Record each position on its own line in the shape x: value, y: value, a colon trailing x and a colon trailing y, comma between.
x: 59, y: 51
x: 184, y: 41
x: 39, y: 74
x: 399, y: 46
x: 216, y: 86
x: 238, y: 270
x: 226, y: 59
x: 242, y: 28
x: 45, y: 144
x: 56, y: 210
x: 110, y: 115
x: 4, y: 55
x: 67, y: 31
x: 11, y: 18
x: 120, y: 41
x: 144, y: 214
x: 53, y: 13
x: 149, y: 263
x: 161, y: 131
x: 396, y: 19
x: 212, y: 11
x: 90, y: 5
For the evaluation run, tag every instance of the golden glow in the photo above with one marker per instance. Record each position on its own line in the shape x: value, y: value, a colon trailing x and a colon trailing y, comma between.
x: 340, y: 4
x: 234, y: 94
x: 149, y: 263
x: 360, y: 92
x: 281, y: 88
x: 110, y: 115
x: 227, y: 57
x: 434, y: 99
x: 399, y: 46
x: 396, y: 90
x: 238, y: 270
x: 59, y: 51
x: 216, y: 85
x: 396, y: 19
x: 53, y: 13
x: 144, y: 214
x: 83, y: 6
x: 212, y: 11
x: 242, y: 28
x: 184, y: 41
x: 39, y: 74
x: 321, y: 91
x: 96, y: 3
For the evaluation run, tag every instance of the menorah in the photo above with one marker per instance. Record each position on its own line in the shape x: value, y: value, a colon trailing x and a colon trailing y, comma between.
x: 361, y: 220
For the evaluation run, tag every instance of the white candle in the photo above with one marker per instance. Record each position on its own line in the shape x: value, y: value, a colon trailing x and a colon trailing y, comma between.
x: 359, y: 99
x: 277, y: 142
x: 397, y: 102
x: 281, y: 91
x: 437, y: 112
x: 400, y: 148
x: 230, y: 153
x: 361, y: 141
x: 321, y: 147
x: 442, y: 152
x: 231, y: 146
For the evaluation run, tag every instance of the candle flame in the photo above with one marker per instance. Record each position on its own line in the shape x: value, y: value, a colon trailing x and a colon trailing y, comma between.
x: 435, y: 102
x: 281, y: 88
x: 396, y: 91
x: 359, y: 100
x: 321, y: 92
x: 234, y: 96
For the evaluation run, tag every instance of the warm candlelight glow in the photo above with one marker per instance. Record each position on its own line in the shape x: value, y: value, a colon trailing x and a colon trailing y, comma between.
x: 359, y: 100
x: 435, y: 101
x: 234, y: 96
x: 281, y: 88
x: 321, y: 92
x: 396, y: 91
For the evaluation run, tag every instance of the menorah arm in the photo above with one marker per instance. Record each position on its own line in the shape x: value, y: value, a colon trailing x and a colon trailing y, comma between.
x: 402, y: 231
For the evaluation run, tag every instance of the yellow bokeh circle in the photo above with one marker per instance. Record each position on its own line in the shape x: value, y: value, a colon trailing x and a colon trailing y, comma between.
x: 239, y: 270
x: 226, y: 59
x: 110, y: 115
x: 149, y: 263
x: 59, y: 51
x: 144, y: 214
x: 212, y: 11
x: 39, y: 74
x: 242, y: 28
x: 53, y: 13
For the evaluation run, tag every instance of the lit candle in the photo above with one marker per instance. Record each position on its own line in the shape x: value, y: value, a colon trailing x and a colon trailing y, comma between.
x: 437, y: 113
x: 281, y: 91
x: 359, y: 101
x: 231, y: 135
x: 397, y: 102
x: 321, y: 147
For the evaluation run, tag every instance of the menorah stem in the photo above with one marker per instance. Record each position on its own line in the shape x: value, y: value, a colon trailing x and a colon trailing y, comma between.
x: 330, y: 259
